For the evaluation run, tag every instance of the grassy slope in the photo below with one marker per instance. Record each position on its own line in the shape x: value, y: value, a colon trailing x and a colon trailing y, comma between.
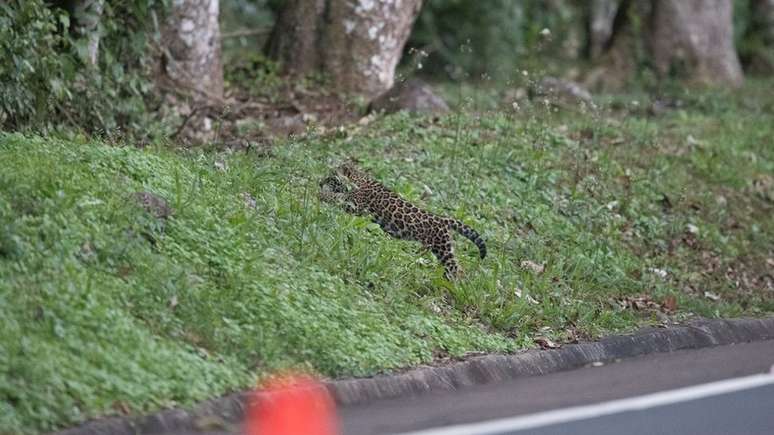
x: 95, y: 319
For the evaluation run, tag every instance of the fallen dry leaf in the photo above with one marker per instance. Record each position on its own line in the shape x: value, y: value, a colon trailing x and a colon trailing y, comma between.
x: 646, y: 303
x: 638, y: 303
x: 546, y: 343
x: 670, y: 303
x: 531, y: 265
x: 122, y: 407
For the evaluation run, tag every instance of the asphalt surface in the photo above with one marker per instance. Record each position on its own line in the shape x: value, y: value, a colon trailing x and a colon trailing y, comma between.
x: 748, y: 411
x: 745, y: 412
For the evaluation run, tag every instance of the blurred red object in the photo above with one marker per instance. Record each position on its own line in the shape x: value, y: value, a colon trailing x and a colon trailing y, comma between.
x: 292, y: 405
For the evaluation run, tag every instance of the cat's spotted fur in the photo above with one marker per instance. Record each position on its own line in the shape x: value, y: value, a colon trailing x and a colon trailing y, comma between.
x: 396, y: 216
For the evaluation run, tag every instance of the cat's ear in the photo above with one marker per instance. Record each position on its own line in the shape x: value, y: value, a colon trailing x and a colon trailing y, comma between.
x: 348, y: 167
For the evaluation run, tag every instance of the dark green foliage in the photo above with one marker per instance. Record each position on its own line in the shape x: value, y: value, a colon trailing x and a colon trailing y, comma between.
x: 754, y: 38
x: 473, y: 38
x: 468, y: 35
x: 45, y: 82
x: 32, y: 70
x: 254, y: 73
x: 251, y: 20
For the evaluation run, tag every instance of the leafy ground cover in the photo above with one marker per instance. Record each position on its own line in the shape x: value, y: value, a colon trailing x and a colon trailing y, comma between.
x: 598, y: 220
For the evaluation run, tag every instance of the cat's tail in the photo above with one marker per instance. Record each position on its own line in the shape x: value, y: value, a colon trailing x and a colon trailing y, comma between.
x: 470, y: 233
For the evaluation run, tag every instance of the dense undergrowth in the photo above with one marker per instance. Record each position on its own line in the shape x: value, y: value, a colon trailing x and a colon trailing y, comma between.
x: 47, y: 82
x: 598, y: 221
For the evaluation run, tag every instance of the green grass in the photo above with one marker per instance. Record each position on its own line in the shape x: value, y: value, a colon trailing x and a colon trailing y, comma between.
x: 95, y: 319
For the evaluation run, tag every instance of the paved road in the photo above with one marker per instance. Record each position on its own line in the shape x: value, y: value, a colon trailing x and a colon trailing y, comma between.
x: 645, y: 395
x: 749, y: 411
x: 746, y: 411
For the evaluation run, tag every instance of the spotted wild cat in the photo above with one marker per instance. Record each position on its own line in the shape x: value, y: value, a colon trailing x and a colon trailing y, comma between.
x: 357, y: 193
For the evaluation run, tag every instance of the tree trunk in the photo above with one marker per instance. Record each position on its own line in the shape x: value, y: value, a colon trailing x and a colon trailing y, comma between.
x: 192, y: 41
x: 695, y: 38
x: 356, y: 43
x: 601, y: 16
x: 191, y: 64
x: 685, y: 39
x: 295, y: 37
x: 622, y: 52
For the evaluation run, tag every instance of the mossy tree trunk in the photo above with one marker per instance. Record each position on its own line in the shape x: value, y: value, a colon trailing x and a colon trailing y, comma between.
x: 356, y: 43
x: 600, y: 25
x: 688, y: 40
x: 295, y: 39
x: 191, y: 64
x: 694, y: 39
x: 191, y: 39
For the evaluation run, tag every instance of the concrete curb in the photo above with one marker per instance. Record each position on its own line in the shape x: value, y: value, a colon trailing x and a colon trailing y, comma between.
x: 496, y: 368
x: 222, y: 412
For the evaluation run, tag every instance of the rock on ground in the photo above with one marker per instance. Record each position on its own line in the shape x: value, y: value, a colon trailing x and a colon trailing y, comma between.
x: 562, y: 92
x: 413, y: 95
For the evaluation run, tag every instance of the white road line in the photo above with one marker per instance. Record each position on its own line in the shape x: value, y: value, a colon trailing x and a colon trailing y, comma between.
x: 540, y: 419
